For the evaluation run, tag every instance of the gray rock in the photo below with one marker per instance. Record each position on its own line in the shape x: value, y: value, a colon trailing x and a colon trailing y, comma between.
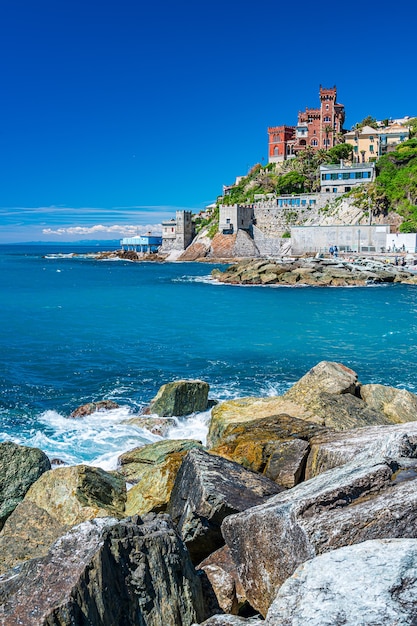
x: 207, y: 489
x: 20, y: 467
x: 181, y: 397
x: 232, y: 620
x: 332, y: 449
x: 373, y: 583
x: 287, y: 462
x: 372, y: 497
x: 107, y: 573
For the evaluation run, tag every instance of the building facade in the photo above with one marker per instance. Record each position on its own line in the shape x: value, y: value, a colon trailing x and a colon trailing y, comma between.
x: 319, y: 128
x: 341, y: 178
x: 178, y: 233
x: 142, y: 243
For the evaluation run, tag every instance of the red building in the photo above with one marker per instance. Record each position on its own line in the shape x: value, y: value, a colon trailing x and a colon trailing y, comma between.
x: 318, y: 128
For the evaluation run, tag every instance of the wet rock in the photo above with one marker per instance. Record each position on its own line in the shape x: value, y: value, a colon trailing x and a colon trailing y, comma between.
x: 60, y: 498
x: 20, y: 467
x: 399, y: 405
x: 107, y: 573
x: 372, y: 583
x: 156, y: 425
x: 372, y: 497
x: 179, y: 398
x: 207, y: 489
x: 92, y: 407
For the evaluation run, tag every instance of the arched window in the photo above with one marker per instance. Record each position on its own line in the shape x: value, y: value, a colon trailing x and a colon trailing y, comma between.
x: 314, y: 142
x: 276, y: 152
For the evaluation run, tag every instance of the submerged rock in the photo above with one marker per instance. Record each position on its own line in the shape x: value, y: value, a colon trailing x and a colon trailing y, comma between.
x: 92, y: 407
x: 20, y: 467
x: 179, y: 398
x: 107, y: 573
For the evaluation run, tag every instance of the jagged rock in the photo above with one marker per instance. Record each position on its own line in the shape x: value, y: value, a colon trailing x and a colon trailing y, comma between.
x: 372, y: 497
x: 207, y: 489
x: 60, y: 498
x: 332, y: 449
x: 20, y: 467
x: 399, y: 405
x: 132, y: 464
x: 286, y: 464
x: 235, y: 413
x: 92, y: 407
x: 329, y: 391
x: 153, y: 469
x: 326, y: 376
x: 156, y: 425
x: 107, y: 573
x: 179, y: 398
x: 342, y: 412
x: 221, y: 572
x: 264, y: 445
x: 372, y: 584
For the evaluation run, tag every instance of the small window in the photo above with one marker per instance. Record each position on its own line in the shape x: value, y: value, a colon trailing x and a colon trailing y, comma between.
x: 334, y: 189
x: 371, y: 148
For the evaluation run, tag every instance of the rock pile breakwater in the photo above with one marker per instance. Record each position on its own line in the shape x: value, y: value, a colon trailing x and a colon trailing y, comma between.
x: 301, y: 508
x: 314, y: 272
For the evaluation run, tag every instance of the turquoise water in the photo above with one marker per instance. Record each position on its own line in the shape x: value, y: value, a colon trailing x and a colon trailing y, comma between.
x: 74, y: 330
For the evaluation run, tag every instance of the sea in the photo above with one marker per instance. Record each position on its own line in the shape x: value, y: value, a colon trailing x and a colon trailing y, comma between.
x: 74, y: 329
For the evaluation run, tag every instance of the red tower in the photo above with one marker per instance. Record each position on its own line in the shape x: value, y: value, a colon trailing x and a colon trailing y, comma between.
x: 316, y: 128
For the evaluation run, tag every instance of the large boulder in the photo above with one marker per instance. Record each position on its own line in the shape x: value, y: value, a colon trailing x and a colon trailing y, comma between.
x: 331, y: 449
x: 372, y: 584
x: 20, y: 467
x: 326, y: 376
x: 276, y: 445
x: 231, y: 414
x: 153, y: 470
x: 132, y: 464
x: 59, y: 499
x: 372, y: 497
x: 207, y: 489
x: 399, y: 405
x: 181, y: 397
x: 107, y: 573
x: 330, y: 391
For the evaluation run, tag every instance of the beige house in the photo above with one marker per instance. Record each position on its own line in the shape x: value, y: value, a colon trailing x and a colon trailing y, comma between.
x: 391, y: 136
x: 366, y: 144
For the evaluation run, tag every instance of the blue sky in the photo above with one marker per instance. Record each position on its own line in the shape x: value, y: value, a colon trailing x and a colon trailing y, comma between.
x: 115, y: 113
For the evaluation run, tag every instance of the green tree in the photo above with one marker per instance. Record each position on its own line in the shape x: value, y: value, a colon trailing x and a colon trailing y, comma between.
x: 367, y: 121
x: 342, y: 151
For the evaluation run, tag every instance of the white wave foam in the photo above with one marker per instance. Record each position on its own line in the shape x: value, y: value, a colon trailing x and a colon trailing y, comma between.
x: 194, y: 426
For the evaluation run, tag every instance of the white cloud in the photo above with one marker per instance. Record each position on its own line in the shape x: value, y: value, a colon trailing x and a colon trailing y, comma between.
x: 126, y: 230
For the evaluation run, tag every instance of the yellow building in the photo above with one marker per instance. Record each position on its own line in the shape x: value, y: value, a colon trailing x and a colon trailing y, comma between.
x: 365, y: 142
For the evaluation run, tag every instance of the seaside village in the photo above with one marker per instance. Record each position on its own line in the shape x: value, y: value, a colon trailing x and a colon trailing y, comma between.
x: 285, y: 225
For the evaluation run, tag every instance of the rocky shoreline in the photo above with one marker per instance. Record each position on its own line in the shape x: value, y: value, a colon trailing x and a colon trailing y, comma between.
x: 315, y: 272
x: 300, y: 508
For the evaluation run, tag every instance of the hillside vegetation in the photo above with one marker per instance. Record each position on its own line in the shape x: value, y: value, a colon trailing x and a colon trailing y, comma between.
x: 395, y: 187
